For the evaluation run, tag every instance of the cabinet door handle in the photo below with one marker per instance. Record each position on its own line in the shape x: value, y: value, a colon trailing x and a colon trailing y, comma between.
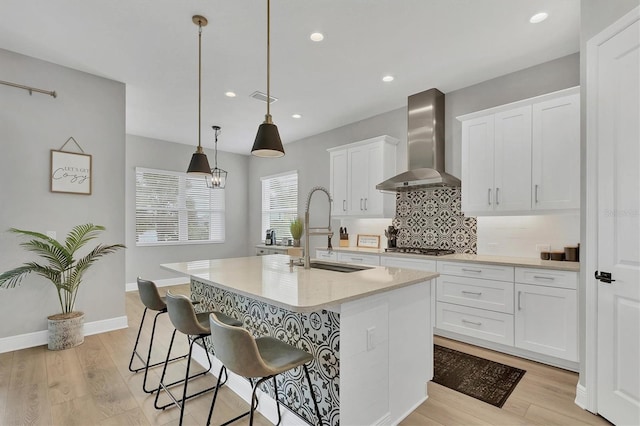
x: 357, y: 259
x: 365, y: 203
x: 489, y: 196
x: 361, y: 204
x: 475, y: 293
x: 536, y: 193
x: 519, y: 299
x: 344, y: 205
x: 471, y: 322
x: 497, y: 196
x: 478, y: 271
x: 540, y: 277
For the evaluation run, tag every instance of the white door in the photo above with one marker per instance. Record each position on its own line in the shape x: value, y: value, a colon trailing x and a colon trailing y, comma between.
x: 512, y: 177
x: 358, y: 169
x: 617, y: 134
x: 477, y: 164
x: 373, y: 200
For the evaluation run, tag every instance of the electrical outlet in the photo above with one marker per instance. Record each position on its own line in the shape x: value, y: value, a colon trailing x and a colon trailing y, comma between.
x: 543, y: 247
x: 371, y: 338
x: 51, y: 234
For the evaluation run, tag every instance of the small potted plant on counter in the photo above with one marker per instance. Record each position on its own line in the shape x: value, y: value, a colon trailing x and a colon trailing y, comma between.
x: 297, y: 228
x: 65, y: 273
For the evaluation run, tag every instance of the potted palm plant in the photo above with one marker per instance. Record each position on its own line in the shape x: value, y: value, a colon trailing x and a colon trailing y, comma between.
x: 297, y: 228
x: 65, y: 272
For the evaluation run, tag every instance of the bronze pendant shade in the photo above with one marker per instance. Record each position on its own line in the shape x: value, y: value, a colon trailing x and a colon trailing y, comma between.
x: 267, y: 142
x: 199, y: 164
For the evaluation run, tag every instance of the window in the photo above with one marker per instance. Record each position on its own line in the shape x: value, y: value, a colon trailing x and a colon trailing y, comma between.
x: 279, y: 203
x: 173, y: 208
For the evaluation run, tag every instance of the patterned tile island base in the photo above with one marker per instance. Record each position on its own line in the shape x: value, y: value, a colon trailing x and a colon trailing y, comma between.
x: 317, y: 333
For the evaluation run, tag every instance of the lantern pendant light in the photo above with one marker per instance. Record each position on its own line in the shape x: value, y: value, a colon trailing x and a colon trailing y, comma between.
x: 199, y: 164
x: 218, y: 176
x: 267, y: 142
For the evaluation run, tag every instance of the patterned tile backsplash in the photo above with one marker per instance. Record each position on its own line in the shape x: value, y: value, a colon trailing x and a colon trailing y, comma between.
x: 432, y: 218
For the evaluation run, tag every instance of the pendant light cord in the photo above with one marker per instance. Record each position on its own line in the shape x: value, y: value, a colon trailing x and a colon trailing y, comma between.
x: 199, y: 81
x: 268, y: 58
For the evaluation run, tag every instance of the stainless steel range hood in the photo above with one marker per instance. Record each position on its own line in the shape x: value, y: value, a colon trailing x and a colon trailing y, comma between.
x: 425, y: 146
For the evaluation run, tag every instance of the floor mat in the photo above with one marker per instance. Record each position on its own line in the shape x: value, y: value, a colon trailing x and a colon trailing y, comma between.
x: 488, y: 381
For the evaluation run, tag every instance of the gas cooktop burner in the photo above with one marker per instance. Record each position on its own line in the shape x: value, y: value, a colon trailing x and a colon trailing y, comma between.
x: 418, y: 250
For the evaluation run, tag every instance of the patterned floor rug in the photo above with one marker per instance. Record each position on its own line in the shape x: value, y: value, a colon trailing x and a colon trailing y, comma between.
x: 488, y: 381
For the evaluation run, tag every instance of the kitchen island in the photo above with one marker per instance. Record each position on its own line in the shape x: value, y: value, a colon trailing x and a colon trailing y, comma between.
x: 370, y: 332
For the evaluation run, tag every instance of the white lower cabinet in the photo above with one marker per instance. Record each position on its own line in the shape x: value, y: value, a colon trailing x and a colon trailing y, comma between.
x: 546, y: 320
x: 532, y: 311
x: 364, y: 259
x: 419, y: 264
x: 480, y: 323
x: 327, y: 255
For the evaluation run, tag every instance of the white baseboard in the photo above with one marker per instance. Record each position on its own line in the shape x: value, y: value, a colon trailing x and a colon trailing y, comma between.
x: 581, y: 396
x: 38, y: 338
x: 159, y: 283
x: 241, y: 387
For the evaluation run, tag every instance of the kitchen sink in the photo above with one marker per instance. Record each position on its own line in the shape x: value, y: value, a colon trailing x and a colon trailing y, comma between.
x: 338, y: 267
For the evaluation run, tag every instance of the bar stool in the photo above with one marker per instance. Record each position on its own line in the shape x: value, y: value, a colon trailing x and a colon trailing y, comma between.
x: 195, y: 326
x: 261, y: 358
x: 151, y: 300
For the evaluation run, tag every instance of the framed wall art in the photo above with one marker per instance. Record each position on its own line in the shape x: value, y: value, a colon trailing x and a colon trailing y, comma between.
x: 70, y: 172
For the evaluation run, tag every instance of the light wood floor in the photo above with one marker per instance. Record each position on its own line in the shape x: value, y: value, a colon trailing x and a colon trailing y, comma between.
x: 91, y: 385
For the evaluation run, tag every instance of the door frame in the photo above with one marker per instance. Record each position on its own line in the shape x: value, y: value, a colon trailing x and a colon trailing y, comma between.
x: 586, y: 393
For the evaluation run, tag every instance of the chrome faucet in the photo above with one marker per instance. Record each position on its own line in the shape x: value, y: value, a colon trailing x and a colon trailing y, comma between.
x: 315, y: 231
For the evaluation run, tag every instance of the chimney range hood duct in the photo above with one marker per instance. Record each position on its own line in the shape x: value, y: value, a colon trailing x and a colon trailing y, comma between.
x: 425, y: 146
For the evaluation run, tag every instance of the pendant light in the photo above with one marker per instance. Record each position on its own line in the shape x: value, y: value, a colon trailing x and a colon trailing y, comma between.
x: 268, y: 143
x: 218, y: 176
x: 199, y: 164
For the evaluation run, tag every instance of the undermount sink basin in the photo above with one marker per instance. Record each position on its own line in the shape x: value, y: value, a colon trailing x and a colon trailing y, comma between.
x: 338, y: 267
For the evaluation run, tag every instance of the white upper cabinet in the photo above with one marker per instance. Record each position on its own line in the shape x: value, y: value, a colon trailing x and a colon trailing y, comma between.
x: 556, y: 154
x: 355, y: 171
x: 522, y: 157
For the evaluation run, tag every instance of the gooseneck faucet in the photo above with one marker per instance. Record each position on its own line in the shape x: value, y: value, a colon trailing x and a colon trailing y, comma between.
x: 315, y: 231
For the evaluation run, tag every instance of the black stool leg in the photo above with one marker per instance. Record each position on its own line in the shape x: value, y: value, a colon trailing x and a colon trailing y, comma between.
x: 313, y: 395
x: 275, y: 388
x: 135, y: 346
x: 215, y: 394
x: 164, y: 370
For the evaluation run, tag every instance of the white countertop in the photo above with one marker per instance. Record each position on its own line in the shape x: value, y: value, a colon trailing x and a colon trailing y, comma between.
x: 528, y: 262
x: 270, y: 279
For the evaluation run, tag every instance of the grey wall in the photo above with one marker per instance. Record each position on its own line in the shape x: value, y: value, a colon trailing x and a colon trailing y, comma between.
x: 157, y: 154
x: 310, y: 157
x: 544, y: 78
x: 92, y: 110
x: 595, y: 16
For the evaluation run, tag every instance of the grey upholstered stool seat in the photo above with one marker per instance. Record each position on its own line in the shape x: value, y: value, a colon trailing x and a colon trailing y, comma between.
x: 196, y: 326
x: 151, y: 300
x: 261, y: 358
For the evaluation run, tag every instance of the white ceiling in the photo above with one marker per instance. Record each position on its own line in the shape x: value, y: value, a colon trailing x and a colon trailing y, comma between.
x: 152, y: 46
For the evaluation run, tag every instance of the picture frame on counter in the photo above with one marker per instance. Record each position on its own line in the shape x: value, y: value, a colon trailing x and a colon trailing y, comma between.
x: 368, y: 241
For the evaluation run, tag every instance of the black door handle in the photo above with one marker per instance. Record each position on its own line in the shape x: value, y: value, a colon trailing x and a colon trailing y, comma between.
x: 605, y: 277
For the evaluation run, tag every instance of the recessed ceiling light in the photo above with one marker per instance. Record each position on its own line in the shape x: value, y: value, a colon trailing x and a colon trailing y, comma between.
x: 317, y: 37
x: 538, y: 17
x: 387, y: 78
x: 230, y: 94
x: 296, y: 116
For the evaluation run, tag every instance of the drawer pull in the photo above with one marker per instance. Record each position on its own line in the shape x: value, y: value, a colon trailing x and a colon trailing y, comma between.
x: 357, y: 258
x: 477, y: 271
x: 471, y: 322
x: 475, y: 293
x: 540, y: 277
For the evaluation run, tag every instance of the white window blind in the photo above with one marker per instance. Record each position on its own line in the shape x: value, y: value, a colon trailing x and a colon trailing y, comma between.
x: 173, y: 208
x: 279, y: 203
